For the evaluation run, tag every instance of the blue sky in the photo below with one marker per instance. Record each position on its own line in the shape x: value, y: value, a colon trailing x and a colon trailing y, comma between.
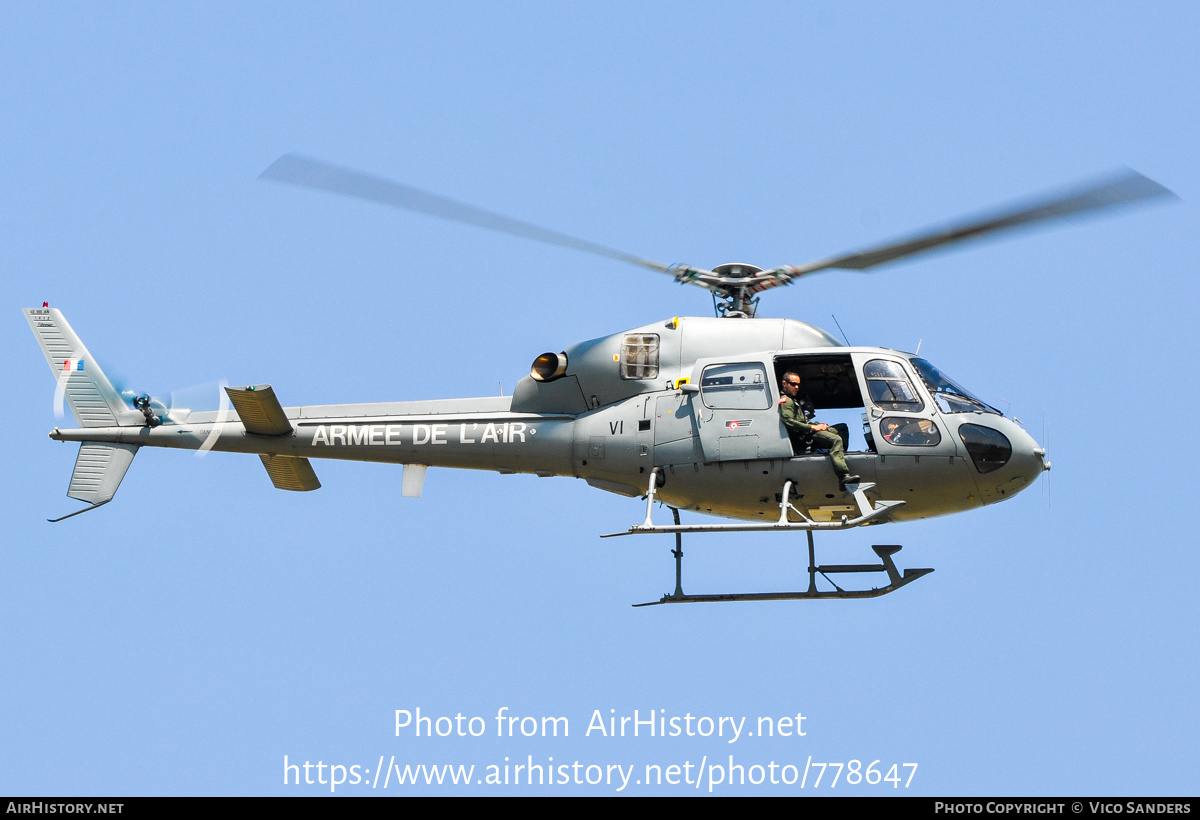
x: 188, y: 636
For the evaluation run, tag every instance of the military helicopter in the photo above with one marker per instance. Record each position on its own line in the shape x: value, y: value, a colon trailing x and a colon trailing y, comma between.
x: 682, y: 411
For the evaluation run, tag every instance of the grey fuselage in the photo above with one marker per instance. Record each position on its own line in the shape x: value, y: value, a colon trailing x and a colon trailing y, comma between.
x: 697, y: 398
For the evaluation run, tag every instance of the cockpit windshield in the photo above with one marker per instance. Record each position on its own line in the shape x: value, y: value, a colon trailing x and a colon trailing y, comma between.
x: 949, y: 396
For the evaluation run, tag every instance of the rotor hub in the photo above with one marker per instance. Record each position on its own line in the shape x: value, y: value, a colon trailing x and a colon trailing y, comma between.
x: 734, y: 299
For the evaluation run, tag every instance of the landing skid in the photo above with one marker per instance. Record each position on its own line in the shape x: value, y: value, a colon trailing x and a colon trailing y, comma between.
x: 884, y: 551
x: 868, y: 513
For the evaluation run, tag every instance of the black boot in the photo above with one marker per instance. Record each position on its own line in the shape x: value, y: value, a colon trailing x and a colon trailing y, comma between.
x: 848, y: 479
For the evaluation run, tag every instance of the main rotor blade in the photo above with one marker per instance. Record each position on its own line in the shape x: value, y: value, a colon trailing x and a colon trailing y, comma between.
x: 294, y: 169
x: 1123, y: 189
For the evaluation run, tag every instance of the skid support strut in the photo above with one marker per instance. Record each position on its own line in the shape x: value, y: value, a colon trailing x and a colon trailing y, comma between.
x: 678, y: 553
x: 867, y: 512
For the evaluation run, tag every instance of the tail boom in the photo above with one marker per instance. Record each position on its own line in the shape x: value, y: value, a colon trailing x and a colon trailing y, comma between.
x: 501, y: 441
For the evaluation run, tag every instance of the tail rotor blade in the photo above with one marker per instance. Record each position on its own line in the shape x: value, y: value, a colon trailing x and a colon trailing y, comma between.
x: 222, y: 416
x: 60, y: 394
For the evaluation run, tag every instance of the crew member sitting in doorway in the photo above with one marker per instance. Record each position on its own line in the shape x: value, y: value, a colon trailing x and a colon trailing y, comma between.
x: 797, y: 413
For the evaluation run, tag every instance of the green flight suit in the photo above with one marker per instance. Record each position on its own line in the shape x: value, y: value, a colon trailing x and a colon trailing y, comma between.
x: 796, y: 420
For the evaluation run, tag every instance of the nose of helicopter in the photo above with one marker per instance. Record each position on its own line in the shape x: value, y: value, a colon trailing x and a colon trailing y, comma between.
x: 1006, y: 458
x: 1028, y: 461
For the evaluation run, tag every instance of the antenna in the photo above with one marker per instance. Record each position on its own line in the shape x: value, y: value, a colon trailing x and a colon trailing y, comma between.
x: 839, y: 327
x: 1046, y: 443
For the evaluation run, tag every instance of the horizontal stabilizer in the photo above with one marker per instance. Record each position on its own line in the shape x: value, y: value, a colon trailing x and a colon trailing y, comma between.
x: 261, y: 413
x: 290, y: 473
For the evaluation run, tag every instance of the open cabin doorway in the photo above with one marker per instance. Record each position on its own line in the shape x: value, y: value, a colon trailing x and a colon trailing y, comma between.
x: 830, y: 383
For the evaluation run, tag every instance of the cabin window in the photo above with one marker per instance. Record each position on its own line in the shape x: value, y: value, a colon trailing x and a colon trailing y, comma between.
x: 990, y: 449
x: 639, y: 356
x: 950, y: 397
x: 735, y: 387
x: 889, y: 387
x: 904, y: 432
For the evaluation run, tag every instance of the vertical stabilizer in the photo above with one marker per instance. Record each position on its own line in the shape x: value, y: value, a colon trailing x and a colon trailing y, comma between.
x: 99, y: 469
x: 88, y: 392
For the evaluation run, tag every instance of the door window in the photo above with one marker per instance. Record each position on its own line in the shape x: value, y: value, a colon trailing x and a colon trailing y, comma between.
x: 904, y: 431
x: 735, y: 387
x: 889, y: 387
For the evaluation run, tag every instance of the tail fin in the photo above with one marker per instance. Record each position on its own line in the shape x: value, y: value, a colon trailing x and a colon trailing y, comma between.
x: 98, y: 471
x: 91, y: 396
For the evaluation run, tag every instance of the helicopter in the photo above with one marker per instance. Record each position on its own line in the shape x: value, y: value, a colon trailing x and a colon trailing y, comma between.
x: 684, y: 411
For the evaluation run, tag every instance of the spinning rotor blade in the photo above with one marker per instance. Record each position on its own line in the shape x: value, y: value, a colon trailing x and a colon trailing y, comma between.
x: 310, y: 173
x: 1123, y: 189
